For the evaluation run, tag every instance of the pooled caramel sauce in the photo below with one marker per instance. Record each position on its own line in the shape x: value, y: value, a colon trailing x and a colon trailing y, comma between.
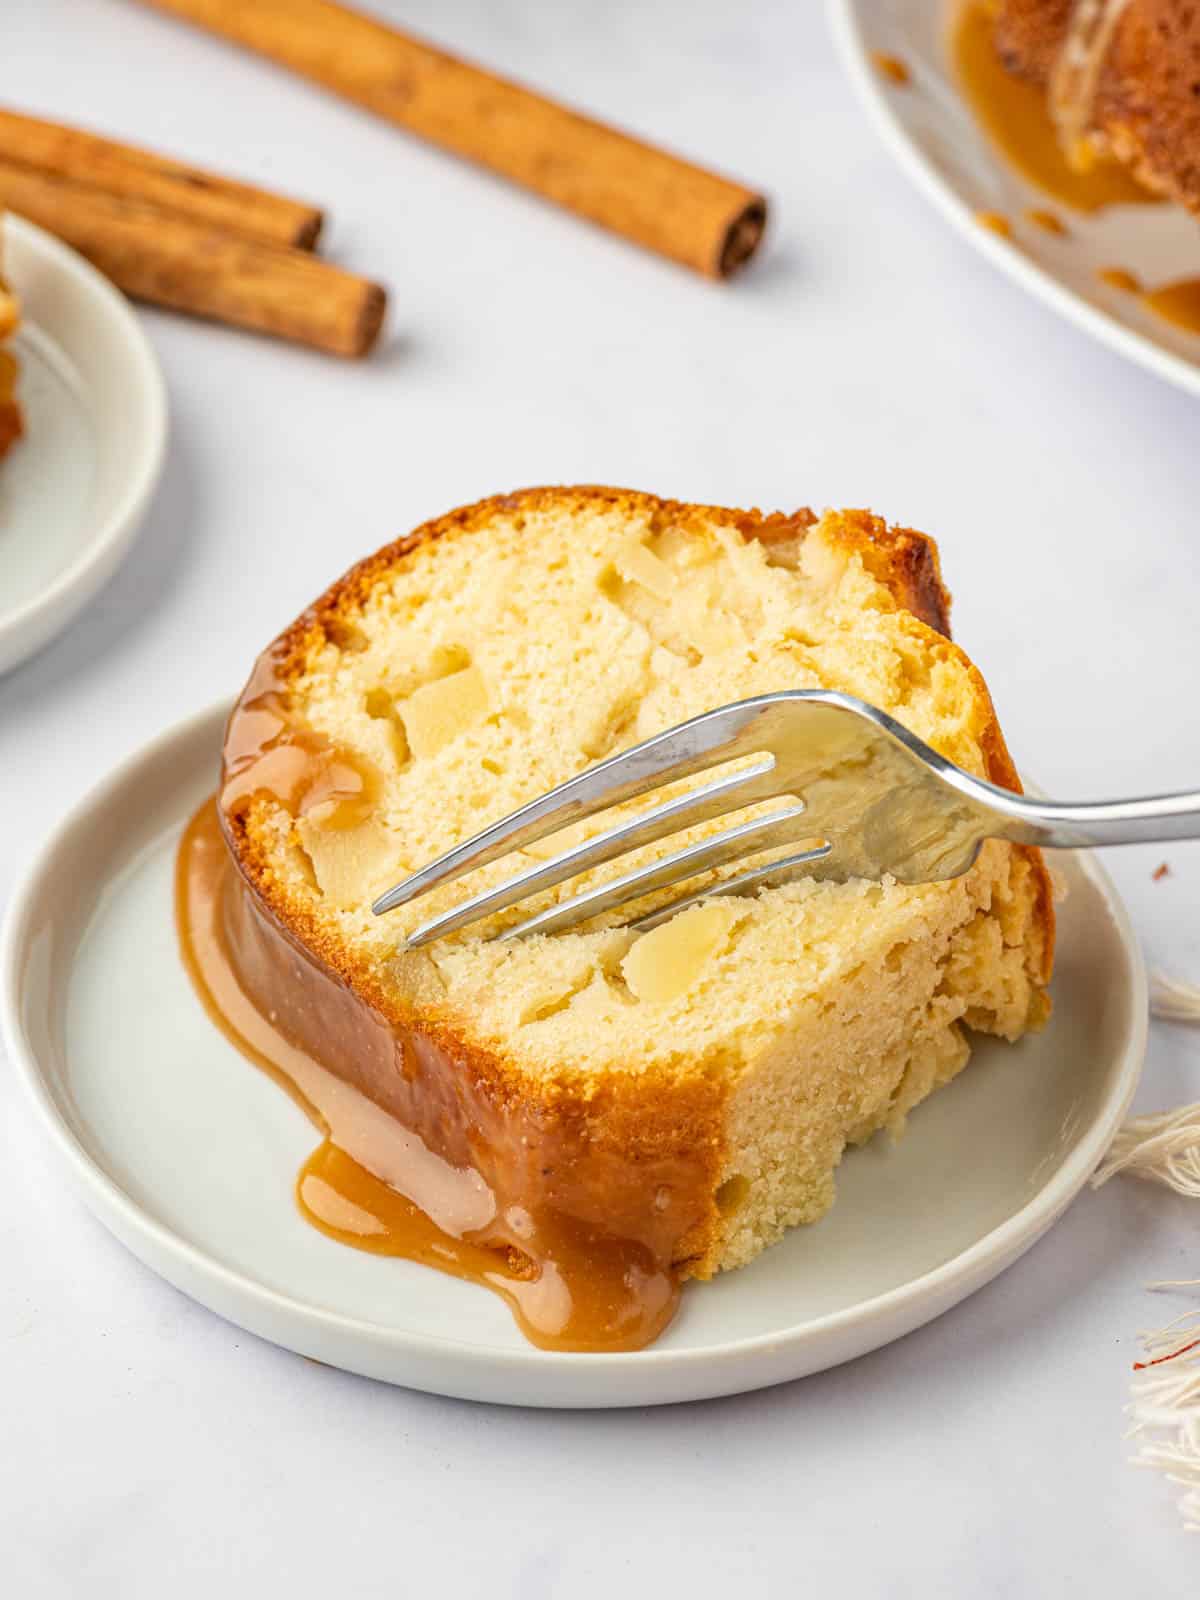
x: 9, y: 373
x: 267, y: 751
x: 1119, y: 278
x: 580, y: 1296
x: 1016, y: 116
x: 890, y: 67
x: 1177, y: 303
x: 994, y: 222
x: 1047, y: 221
x: 418, y: 1158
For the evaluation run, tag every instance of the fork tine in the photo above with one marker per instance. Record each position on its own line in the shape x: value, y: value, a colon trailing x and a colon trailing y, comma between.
x: 763, y: 833
x: 699, y: 805
x: 771, y: 872
x: 706, y: 741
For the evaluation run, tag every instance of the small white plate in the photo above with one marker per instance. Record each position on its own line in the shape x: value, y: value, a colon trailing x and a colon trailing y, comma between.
x: 933, y: 133
x: 189, y: 1154
x: 73, y: 489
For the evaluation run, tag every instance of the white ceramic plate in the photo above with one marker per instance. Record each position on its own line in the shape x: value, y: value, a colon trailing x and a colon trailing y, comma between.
x: 74, y: 488
x: 934, y: 135
x: 189, y: 1154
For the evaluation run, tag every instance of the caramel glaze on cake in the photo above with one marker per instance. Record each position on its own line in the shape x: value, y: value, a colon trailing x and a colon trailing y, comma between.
x: 584, y: 1201
x: 1142, y: 104
x: 580, y: 1271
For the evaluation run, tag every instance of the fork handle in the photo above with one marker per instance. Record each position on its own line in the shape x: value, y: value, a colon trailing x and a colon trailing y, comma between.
x: 1064, y: 826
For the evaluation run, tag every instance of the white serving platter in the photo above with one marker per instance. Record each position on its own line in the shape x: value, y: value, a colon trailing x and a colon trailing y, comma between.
x: 75, y: 487
x: 935, y: 138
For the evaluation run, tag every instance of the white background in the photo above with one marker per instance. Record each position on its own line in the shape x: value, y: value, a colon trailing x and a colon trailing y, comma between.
x: 867, y: 358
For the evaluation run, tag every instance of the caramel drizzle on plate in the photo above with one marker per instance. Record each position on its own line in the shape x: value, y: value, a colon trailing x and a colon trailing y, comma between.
x: 421, y: 1157
x: 1016, y: 117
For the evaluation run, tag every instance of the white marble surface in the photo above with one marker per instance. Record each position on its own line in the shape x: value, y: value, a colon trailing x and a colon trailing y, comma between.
x: 868, y: 358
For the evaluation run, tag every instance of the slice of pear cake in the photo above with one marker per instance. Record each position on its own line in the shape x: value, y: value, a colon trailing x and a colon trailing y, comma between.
x: 693, y: 1088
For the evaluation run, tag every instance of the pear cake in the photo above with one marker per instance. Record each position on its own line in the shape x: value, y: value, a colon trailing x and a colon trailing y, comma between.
x: 610, y: 1113
x: 1122, y: 79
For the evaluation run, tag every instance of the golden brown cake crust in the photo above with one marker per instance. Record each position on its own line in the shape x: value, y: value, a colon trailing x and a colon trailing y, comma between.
x: 665, y: 1116
x: 1148, y: 96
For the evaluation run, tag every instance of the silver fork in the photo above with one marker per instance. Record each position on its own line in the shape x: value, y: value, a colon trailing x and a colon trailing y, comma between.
x: 865, y: 796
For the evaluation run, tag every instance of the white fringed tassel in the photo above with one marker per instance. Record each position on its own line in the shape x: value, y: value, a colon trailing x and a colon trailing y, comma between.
x: 1163, y: 1148
x: 1166, y: 1409
x: 1173, y: 1001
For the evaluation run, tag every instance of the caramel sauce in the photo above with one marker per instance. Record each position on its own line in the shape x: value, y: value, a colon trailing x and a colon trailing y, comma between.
x: 1016, y: 116
x: 9, y: 373
x: 267, y: 752
x: 420, y: 1157
x: 891, y: 67
x: 1177, y: 303
x: 995, y: 222
x: 1047, y: 221
x: 572, y: 1301
x: 1119, y: 278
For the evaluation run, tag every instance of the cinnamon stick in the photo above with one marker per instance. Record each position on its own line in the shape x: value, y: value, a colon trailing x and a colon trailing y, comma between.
x: 668, y: 205
x: 122, y: 169
x: 174, y: 261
